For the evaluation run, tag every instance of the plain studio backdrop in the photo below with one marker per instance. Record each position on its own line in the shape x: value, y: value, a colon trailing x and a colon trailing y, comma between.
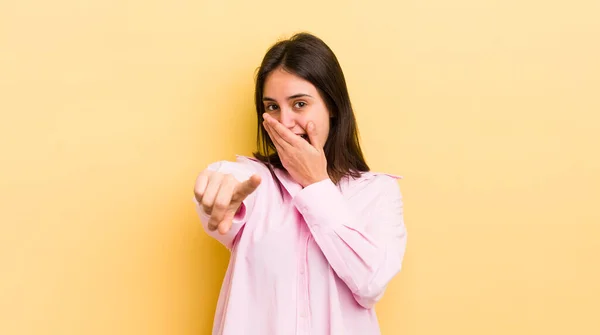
x: 110, y: 109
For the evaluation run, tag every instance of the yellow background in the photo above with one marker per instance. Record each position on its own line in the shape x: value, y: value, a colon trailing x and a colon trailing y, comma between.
x: 109, y: 109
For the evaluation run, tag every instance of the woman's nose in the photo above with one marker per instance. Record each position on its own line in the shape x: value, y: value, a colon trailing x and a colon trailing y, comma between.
x: 287, y: 118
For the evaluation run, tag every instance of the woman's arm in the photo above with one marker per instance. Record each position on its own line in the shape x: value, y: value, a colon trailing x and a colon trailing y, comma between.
x: 365, y: 251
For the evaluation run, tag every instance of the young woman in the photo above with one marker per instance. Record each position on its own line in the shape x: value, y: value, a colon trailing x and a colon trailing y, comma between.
x: 314, y: 236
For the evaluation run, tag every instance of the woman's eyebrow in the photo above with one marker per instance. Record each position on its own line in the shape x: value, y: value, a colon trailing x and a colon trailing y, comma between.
x: 299, y: 95
x: 295, y: 96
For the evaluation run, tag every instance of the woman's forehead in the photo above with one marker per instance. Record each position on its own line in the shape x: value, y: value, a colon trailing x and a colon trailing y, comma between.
x: 281, y: 83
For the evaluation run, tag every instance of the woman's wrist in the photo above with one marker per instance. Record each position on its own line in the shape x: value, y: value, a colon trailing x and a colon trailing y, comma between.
x: 316, y: 180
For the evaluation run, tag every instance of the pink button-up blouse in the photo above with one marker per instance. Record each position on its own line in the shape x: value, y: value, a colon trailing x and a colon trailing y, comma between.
x: 312, y: 260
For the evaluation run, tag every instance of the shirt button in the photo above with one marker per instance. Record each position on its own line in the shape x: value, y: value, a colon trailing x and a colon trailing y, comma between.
x: 302, y: 270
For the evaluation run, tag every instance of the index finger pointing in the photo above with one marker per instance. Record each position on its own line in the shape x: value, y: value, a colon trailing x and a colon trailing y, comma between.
x: 246, y: 188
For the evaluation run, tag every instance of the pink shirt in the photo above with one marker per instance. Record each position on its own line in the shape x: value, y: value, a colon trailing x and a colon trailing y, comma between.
x: 310, y: 261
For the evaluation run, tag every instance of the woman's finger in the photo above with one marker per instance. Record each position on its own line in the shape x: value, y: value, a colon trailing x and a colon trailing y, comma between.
x: 244, y: 189
x: 201, y: 183
x: 225, y: 225
x: 313, y: 135
x: 276, y: 139
x: 284, y: 134
x: 273, y: 134
x: 210, y: 193
x: 222, y: 200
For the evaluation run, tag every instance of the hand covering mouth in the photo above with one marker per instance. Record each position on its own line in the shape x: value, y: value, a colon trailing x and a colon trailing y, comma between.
x: 305, y: 137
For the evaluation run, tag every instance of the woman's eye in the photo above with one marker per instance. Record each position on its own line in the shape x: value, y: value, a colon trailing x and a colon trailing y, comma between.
x: 271, y: 108
x: 300, y: 104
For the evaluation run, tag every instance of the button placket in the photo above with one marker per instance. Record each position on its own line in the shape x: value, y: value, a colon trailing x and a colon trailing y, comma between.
x: 303, y: 298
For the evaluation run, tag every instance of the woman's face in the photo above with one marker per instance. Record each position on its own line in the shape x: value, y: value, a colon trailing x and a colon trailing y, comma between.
x: 294, y: 102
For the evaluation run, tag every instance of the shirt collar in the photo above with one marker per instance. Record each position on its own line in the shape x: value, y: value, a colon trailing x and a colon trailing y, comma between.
x: 290, y: 185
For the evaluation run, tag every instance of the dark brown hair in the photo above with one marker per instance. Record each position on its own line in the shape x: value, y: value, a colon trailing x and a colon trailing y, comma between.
x: 308, y: 57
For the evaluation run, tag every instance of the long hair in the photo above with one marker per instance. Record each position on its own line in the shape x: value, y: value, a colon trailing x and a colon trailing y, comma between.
x: 308, y: 57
